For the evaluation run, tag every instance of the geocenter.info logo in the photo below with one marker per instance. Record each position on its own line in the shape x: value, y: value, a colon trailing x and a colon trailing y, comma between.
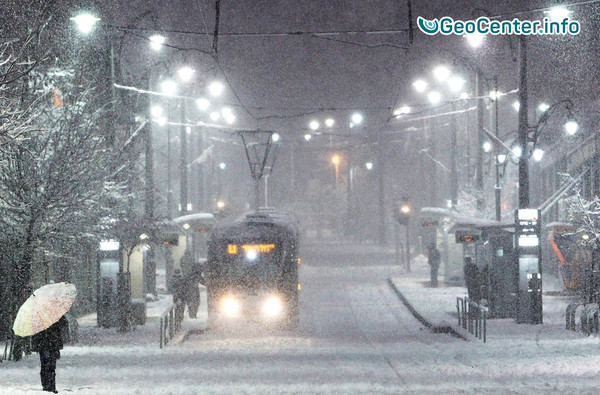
x: 484, y: 25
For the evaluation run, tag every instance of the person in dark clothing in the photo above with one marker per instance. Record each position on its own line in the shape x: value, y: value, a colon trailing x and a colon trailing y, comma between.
x: 472, y: 279
x: 192, y: 292
x: 48, y: 344
x: 433, y: 258
x: 179, y: 286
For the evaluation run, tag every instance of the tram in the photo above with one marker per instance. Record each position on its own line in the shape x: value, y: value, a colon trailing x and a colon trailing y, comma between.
x: 252, y: 268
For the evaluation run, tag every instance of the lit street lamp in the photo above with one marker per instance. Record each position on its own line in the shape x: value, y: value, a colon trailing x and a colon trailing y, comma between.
x: 335, y: 159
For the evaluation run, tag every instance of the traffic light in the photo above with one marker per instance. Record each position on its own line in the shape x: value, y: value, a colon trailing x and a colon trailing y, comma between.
x: 402, y: 211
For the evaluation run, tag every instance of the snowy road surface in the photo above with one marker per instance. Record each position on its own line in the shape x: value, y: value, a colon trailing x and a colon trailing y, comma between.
x: 354, y: 337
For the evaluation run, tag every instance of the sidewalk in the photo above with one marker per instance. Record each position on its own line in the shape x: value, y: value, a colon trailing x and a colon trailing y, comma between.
x: 437, y: 307
x: 90, y: 334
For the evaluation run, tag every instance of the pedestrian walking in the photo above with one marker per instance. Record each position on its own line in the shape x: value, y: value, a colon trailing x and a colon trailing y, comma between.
x: 433, y: 258
x: 48, y: 344
x: 472, y: 279
x: 179, y: 287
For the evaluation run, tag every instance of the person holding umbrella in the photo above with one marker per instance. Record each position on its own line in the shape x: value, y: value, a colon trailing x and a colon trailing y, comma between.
x: 48, y: 344
x: 42, y: 316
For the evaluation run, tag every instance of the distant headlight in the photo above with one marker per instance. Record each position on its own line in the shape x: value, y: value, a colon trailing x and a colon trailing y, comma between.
x: 230, y: 306
x: 272, y: 306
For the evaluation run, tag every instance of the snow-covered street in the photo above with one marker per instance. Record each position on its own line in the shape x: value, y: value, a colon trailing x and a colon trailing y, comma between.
x: 355, y: 336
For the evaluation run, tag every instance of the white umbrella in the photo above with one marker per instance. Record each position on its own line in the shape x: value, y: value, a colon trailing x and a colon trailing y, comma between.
x: 43, y: 308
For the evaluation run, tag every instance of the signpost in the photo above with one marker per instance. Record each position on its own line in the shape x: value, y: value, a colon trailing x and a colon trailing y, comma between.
x: 529, y: 296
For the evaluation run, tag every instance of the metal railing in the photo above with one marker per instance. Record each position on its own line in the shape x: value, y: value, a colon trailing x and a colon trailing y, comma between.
x: 472, y: 316
x: 170, y: 322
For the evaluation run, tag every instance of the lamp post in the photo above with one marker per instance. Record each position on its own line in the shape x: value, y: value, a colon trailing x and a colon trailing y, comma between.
x: 335, y: 160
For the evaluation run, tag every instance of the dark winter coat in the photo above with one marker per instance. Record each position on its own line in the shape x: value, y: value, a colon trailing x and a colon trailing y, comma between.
x: 51, y: 338
x: 434, y: 257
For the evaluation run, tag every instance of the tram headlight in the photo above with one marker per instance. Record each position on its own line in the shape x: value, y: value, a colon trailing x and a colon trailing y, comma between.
x: 230, y: 306
x: 272, y: 306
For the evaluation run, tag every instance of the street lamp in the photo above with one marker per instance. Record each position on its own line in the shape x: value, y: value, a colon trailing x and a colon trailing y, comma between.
x: 441, y: 73
x: 420, y: 86
x: 474, y: 39
x: 558, y: 14
x: 186, y: 73
x: 335, y: 159
x: 216, y: 88
x: 356, y: 118
x: 85, y: 22
x: 156, y: 42
x: 168, y: 87
x: 203, y: 103
x: 434, y: 97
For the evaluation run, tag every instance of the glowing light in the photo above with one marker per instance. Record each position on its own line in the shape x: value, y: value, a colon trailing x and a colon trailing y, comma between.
x: 109, y: 245
x: 420, y: 86
x: 475, y: 39
x: 538, y: 154
x: 307, y: 136
x: 356, y: 118
x: 168, y: 87
x: 230, y: 306
x: 216, y: 88
x: 441, y: 73
x: 487, y: 146
x: 369, y: 165
x: 251, y: 255
x: 571, y: 127
x: 516, y: 105
x: 85, y: 22
x: 495, y: 95
x: 220, y: 204
x: 434, y: 97
x: 275, y: 137
x: 543, y: 107
x: 156, y: 42
x: 501, y: 158
x: 313, y: 125
x: 203, y: 103
x: 329, y: 122
x: 517, y: 151
x: 402, y: 110
x: 272, y: 306
x: 186, y: 73
x: 215, y: 116
x: 335, y: 159
x: 456, y: 84
x: 156, y: 111
x: 222, y: 166
x: 558, y: 14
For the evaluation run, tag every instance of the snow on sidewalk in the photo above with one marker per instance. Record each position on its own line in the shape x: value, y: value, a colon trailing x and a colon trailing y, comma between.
x: 438, y: 307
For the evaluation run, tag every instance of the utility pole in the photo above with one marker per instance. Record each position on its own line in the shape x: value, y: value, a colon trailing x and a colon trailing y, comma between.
x: 523, y: 127
x: 381, y: 188
x: 479, y: 168
x: 454, y: 173
x: 183, y: 179
x: 497, y: 188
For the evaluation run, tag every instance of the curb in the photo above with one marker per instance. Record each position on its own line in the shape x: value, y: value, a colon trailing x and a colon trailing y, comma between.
x: 447, y: 329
